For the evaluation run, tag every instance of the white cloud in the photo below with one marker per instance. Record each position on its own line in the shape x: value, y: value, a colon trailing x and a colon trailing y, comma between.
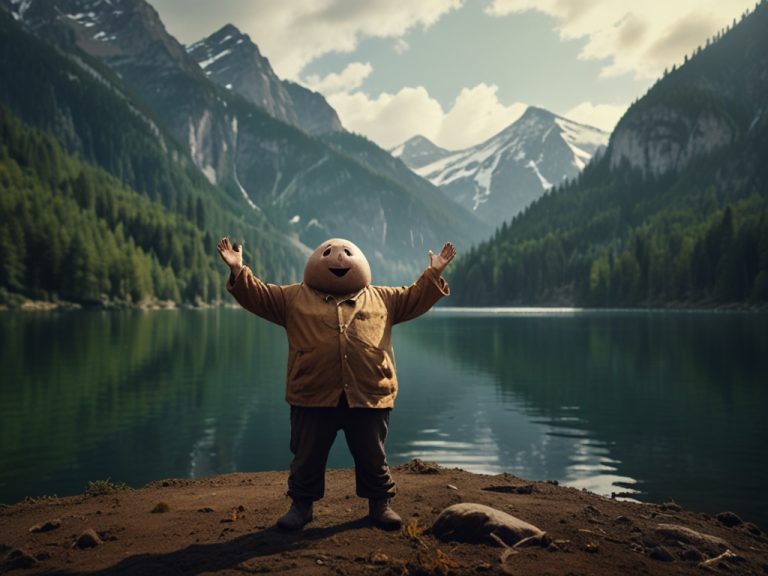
x: 295, y: 33
x: 603, y: 116
x: 389, y: 119
x: 476, y: 115
x: 349, y: 79
x: 639, y: 38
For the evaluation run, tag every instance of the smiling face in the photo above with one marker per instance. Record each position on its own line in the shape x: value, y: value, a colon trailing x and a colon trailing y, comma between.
x: 337, y: 266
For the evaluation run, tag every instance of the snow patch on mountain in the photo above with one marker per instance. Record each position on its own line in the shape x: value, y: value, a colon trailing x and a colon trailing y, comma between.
x: 484, y: 178
x: 545, y: 184
x: 578, y: 137
x: 205, y: 63
x: 20, y: 6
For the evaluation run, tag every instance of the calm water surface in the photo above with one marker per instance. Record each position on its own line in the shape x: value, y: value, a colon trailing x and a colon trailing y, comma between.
x: 648, y: 405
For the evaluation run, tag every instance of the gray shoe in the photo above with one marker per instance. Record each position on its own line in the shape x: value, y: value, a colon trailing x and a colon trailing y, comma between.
x: 297, y: 517
x: 381, y: 514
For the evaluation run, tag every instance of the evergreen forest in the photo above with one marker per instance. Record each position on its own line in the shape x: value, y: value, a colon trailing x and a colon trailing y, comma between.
x: 673, y: 213
x: 616, y: 238
x: 71, y: 231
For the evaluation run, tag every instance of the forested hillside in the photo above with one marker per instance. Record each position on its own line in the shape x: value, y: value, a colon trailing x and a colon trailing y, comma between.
x: 675, y: 212
x: 583, y: 245
x: 70, y: 231
x: 98, y: 203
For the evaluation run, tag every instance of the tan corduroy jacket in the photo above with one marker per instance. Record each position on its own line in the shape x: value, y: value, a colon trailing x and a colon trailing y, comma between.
x: 339, y: 344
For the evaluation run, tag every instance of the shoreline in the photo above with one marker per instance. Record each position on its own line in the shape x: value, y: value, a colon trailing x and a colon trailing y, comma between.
x: 37, y: 306
x: 225, y: 525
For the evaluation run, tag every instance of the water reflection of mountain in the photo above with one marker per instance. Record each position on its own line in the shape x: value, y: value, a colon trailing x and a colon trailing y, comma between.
x: 673, y: 400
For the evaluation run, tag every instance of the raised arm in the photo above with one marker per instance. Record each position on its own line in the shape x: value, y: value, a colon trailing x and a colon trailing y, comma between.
x: 265, y: 300
x: 409, y: 302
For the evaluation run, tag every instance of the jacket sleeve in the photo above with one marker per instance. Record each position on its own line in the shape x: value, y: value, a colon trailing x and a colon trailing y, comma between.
x: 265, y: 300
x: 407, y: 303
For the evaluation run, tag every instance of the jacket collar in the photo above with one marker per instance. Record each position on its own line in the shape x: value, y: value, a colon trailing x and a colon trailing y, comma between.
x: 352, y: 297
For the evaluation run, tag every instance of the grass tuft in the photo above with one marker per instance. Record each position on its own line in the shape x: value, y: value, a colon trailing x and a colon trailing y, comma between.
x: 161, y: 508
x: 102, y: 487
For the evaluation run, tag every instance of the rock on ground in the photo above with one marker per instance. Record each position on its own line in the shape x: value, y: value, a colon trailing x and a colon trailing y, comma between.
x: 471, y: 522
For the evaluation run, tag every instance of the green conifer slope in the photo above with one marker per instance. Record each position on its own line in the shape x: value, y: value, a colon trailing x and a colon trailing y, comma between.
x: 678, y: 224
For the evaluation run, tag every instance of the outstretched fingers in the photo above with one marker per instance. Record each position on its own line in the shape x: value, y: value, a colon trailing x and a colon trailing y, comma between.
x: 232, y: 256
x: 223, y: 245
x: 448, y: 252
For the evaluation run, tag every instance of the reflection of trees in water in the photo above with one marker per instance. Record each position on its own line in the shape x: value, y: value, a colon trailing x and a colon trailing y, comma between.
x: 446, y: 405
x: 126, y: 394
x: 676, y: 397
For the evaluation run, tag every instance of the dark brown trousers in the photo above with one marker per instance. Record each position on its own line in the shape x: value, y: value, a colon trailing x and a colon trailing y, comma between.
x: 313, y: 431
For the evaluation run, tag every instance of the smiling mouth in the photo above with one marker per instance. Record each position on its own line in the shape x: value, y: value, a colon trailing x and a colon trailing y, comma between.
x: 339, y: 271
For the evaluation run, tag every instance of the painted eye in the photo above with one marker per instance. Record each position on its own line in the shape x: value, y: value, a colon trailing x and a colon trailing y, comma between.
x: 347, y: 252
x: 327, y: 251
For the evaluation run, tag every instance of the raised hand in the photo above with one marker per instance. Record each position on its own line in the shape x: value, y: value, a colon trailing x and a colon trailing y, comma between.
x: 233, y: 256
x: 440, y: 261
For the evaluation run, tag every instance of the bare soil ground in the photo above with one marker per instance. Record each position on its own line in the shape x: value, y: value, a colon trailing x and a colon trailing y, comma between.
x: 225, y: 525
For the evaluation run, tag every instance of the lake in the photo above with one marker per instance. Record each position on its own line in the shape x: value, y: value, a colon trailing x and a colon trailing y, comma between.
x: 645, y: 405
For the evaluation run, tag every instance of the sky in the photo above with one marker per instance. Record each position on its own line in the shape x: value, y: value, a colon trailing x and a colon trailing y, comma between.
x: 460, y: 71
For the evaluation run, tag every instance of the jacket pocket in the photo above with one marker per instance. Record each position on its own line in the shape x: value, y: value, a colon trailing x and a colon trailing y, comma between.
x: 373, y: 370
x: 300, y: 364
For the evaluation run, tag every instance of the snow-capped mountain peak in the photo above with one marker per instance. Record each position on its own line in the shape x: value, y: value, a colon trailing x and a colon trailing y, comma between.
x: 499, y: 177
x: 217, y: 46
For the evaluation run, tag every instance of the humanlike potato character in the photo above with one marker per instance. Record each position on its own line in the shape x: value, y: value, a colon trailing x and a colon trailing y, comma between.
x: 341, y: 368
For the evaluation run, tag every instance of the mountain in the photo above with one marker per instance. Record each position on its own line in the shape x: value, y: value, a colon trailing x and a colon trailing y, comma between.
x: 674, y: 213
x: 419, y: 151
x: 306, y: 189
x: 709, y: 103
x: 99, y: 203
x: 313, y: 112
x: 229, y: 58
x: 498, y: 178
x: 379, y: 161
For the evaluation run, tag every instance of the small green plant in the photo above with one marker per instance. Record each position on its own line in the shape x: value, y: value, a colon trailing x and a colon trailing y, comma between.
x: 102, y: 487
x: 161, y: 508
